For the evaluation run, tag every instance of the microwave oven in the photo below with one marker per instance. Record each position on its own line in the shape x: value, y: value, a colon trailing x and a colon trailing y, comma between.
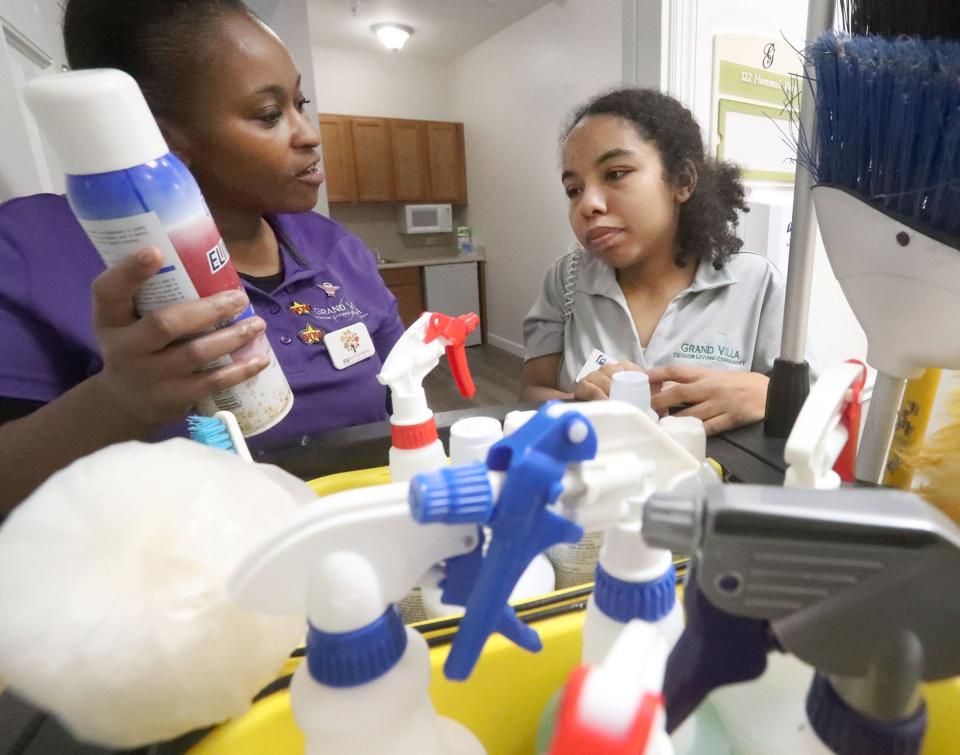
x: 425, y: 218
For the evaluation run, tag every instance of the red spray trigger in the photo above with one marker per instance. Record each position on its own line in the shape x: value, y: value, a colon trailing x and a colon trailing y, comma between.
x: 455, y: 330
x: 846, y: 463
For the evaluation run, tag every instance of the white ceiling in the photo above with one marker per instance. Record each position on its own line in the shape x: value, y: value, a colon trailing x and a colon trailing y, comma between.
x: 443, y: 29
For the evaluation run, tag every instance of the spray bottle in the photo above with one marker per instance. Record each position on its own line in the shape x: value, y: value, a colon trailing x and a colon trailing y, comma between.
x: 821, y: 452
x: 128, y: 191
x: 634, y: 581
x: 615, y: 707
x: 416, y: 447
x: 576, y: 563
x: 345, y: 561
x: 860, y: 584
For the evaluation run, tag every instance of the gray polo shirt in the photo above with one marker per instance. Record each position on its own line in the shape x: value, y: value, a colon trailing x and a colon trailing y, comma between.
x: 727, y: 319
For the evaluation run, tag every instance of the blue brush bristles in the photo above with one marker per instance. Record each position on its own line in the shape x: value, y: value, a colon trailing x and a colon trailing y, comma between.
x: 210, y: 431
x: 888, y: 125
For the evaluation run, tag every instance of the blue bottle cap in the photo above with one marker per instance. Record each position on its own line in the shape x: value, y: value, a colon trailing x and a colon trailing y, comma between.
x: 625, y: 601
x: 848, y: 732
x: 350, y: 659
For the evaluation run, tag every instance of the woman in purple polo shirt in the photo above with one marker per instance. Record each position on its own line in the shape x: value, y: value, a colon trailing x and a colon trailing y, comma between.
x: 79, y: 372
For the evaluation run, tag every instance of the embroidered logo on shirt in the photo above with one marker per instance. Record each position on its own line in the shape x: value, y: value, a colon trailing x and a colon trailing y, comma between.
x: 707, y: 352
x: 328, y: 288
x: 299, y: 309
x: 350, y: 340
x: 310, y: 335
x: 340, y: 311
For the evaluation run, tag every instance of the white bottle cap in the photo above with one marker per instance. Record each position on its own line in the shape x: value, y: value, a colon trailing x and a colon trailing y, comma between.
x: 471, y: 438
x: 516, y: 419
x: 95, y: 120
x: 689, y: 433
x: 634, y: 388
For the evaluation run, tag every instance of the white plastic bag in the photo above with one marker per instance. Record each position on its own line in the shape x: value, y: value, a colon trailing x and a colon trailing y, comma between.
x: 114, y: 611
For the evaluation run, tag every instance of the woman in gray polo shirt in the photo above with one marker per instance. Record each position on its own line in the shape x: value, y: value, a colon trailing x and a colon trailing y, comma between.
x: 657, y: 281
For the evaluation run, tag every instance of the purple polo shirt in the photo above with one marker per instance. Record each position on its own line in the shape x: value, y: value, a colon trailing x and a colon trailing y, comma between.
x: 330, y: 281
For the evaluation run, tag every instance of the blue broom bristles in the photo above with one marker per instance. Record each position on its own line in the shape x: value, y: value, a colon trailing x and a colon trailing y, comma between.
x: 888, y: 124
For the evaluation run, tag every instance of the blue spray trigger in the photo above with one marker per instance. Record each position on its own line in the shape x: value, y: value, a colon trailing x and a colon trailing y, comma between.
x: 461, y: 574
x: 534, y: 459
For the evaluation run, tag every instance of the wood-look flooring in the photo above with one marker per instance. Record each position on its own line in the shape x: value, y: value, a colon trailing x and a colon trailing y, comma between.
x: 496, y: 373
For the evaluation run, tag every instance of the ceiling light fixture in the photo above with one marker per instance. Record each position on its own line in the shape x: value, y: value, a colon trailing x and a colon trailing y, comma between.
x: 393, y: 36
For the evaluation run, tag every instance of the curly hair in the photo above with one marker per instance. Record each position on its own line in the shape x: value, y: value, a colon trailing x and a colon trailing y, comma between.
x: 155, y: 41
x: 709, y: 217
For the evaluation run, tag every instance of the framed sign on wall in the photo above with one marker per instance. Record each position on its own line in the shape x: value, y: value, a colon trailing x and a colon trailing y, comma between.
x: 756, y: 84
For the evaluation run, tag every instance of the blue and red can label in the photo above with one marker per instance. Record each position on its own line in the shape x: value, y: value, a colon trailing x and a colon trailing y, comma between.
x: 159, y: 204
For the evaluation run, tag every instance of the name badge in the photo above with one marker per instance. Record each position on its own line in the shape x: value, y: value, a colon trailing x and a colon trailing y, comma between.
x: 594, y: 362
x: 349, y: 345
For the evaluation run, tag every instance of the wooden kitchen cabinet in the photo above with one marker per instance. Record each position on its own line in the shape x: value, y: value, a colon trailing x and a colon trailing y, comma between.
x: 393, y: 160
x: 405, y: 284
x: 411, y: 167
x: 338, y: 165
x: 373, y: 159
x: 448, y: 175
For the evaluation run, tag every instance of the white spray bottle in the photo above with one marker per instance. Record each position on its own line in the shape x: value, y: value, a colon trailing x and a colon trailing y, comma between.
x: 633, y: 580
x: 577, y: 563
x: 345, y: 561
x: 415, y: 446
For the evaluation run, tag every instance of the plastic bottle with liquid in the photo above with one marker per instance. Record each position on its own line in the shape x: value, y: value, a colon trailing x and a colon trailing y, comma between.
x: 363, y: 687
x: 633, y: 581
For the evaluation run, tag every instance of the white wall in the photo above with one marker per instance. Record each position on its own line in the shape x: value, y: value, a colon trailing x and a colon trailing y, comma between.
x: 386, y: 84
x: 30, y: 45
x: 513, y: 92
x: 833, y: 330
x: 289, y: 21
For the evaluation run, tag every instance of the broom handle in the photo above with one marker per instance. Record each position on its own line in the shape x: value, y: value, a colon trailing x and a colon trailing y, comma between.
x: 803, y: 233
x: 878, y: 430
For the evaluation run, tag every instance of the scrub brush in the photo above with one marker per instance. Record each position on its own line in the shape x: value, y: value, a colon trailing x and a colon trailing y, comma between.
x: 886, y: 157
x: 219, y: 431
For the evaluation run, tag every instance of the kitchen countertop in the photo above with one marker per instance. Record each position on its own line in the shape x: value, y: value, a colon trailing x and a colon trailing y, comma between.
x: 452, y: 259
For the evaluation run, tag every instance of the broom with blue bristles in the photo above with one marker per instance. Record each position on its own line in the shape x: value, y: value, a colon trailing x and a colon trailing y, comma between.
x: 886, y: 158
